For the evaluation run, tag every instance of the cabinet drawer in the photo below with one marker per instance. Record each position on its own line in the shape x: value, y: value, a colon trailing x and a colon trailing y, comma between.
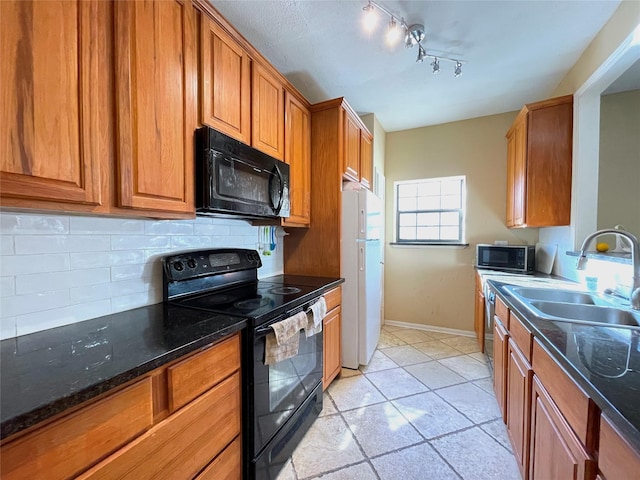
x: 520, y: 335
x: 68, y: 446
x: 227, y: 465
x: 616, y: 459
x: 197, y: 374
x: 577, y: 408
x: 183, y: 444
x: 333, y: 298
x: 502, y: 312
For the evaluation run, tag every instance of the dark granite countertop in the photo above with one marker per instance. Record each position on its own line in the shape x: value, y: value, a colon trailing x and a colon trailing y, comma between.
x: 603, y: 360
x: 45, y: 373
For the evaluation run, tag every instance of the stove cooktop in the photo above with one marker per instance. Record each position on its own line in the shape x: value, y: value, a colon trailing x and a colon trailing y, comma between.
x: 254, y: 301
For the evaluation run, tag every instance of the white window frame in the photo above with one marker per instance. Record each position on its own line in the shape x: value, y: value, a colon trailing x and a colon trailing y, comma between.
x: 431, y: 241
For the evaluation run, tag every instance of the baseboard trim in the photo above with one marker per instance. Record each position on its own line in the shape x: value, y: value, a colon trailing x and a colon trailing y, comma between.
x: 430, y: 328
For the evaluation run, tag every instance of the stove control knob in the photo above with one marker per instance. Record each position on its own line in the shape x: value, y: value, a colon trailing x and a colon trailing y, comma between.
x: 178, y: 266
x: 191, y: 263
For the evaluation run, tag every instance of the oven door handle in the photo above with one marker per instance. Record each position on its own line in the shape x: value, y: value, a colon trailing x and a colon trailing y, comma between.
x: 265, y: 330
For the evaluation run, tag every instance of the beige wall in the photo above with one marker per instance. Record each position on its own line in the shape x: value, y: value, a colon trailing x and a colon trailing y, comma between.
x: 617, y: 29
x: 619, y: 173
x: 434, y: 285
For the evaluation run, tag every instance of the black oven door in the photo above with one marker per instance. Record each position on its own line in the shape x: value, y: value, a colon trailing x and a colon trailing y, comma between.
x: 281, y: 388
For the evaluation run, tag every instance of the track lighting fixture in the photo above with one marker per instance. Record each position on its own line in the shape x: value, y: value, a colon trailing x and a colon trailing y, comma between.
x: 413, y: 35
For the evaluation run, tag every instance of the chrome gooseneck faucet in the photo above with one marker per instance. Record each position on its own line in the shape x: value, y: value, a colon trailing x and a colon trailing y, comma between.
x: 635, y: 259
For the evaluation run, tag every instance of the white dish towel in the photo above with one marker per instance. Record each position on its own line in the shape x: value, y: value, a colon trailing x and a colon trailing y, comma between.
x: 315, y: 316
x: 283, y: 343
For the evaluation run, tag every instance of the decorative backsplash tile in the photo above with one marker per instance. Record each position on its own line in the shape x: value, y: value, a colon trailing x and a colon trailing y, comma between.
x: 60, y: 269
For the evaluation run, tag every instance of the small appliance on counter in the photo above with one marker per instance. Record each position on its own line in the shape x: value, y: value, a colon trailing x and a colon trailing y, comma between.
x: 507, y: 258
x: 235, y: 179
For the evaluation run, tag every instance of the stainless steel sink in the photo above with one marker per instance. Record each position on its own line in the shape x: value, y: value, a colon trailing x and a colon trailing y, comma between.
x: 574, y: 306
x: 587, y: 313
x: 551, y: 295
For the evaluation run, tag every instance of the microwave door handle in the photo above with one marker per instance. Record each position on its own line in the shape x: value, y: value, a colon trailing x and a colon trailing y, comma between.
x: 281, y: 192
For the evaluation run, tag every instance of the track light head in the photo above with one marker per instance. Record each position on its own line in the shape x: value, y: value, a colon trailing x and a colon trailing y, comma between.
x: 458, y: 70
x: 436, y: 65
x: 370, y: 17
x: 421, y: 54
x: 393, y: 32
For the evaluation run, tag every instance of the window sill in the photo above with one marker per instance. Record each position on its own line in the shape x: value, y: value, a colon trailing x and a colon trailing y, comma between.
x: 428, y: 244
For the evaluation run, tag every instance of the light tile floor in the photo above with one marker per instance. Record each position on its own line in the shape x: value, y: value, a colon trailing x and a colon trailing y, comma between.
x: 423, y: 409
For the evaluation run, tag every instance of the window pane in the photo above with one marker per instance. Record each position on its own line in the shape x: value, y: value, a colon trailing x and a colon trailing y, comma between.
x: 450, y: 218
x: 407, y: 220
x: 430, y: 210
x: 450, y: 233
x: 450, y: 202
x: 428, y: 233
x: 407, y: 233
x: 405, y: 204
x: 428, y: 203
x: 407, y: 190
x: 428, y: 188
x: 451, y: 187
x: 428, y: 219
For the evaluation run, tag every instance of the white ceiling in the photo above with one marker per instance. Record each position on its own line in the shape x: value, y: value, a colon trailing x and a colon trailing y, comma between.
x: 516, y: 51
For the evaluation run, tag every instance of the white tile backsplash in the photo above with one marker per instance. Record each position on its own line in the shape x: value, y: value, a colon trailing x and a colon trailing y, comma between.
x: 59, y: 269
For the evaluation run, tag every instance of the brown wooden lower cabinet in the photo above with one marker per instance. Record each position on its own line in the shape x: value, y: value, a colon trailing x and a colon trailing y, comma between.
x: 616, y: 458
x: 556, y: 452
x: 518, y: 404
x: 227, y: 465
x: 500, y: 341
x: 131, y: 433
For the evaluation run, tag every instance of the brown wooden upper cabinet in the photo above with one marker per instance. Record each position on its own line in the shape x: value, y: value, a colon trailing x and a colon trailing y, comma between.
x: 51, y: 114
x: 156, y: 95
x: 267, y: 105
x: 357, y: 160
x: 539, y: 151
x: 297, y: 154
x: 366, y: 159
x: 225, y: 82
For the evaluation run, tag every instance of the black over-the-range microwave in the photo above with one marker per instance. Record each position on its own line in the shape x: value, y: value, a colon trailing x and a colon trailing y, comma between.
x: 509, y: 258
x: 235, y: 179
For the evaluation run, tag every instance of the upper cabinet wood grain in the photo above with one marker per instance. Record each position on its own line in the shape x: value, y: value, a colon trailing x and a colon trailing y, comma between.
x: 366, y: 159
x: 297, y: 154
x: 51, y: 117
x: 267, y: 104
x: 225, y: 82
x: 156, y: 95
x: 351, y: 153
x: 539, y: 156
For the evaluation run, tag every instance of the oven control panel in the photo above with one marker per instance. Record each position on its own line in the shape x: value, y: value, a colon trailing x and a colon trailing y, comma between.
x: 187, y: 265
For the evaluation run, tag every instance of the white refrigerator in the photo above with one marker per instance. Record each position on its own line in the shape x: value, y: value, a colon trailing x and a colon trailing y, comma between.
x: 361, y: 269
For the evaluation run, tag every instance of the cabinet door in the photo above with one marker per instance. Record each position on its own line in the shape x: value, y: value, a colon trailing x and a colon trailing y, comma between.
x: 51, y: 111
x: 225, y: 82
x: 616, y: 457
x: 479, y: 318
x: 519, y: 375
x: 156, y: 85
x: 500, y: 339
x: 556, y: 453
x: 519, y: 174
x: 366, y: 160
x: 298, y: 155
x: 351, y: 146
x: 511, y: 160
x: 267, y: 101
x: 332, y: 361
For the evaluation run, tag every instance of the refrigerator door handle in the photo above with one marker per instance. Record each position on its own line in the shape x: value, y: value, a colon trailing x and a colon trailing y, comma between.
x: 362, y: 258
x: 362, y: 222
